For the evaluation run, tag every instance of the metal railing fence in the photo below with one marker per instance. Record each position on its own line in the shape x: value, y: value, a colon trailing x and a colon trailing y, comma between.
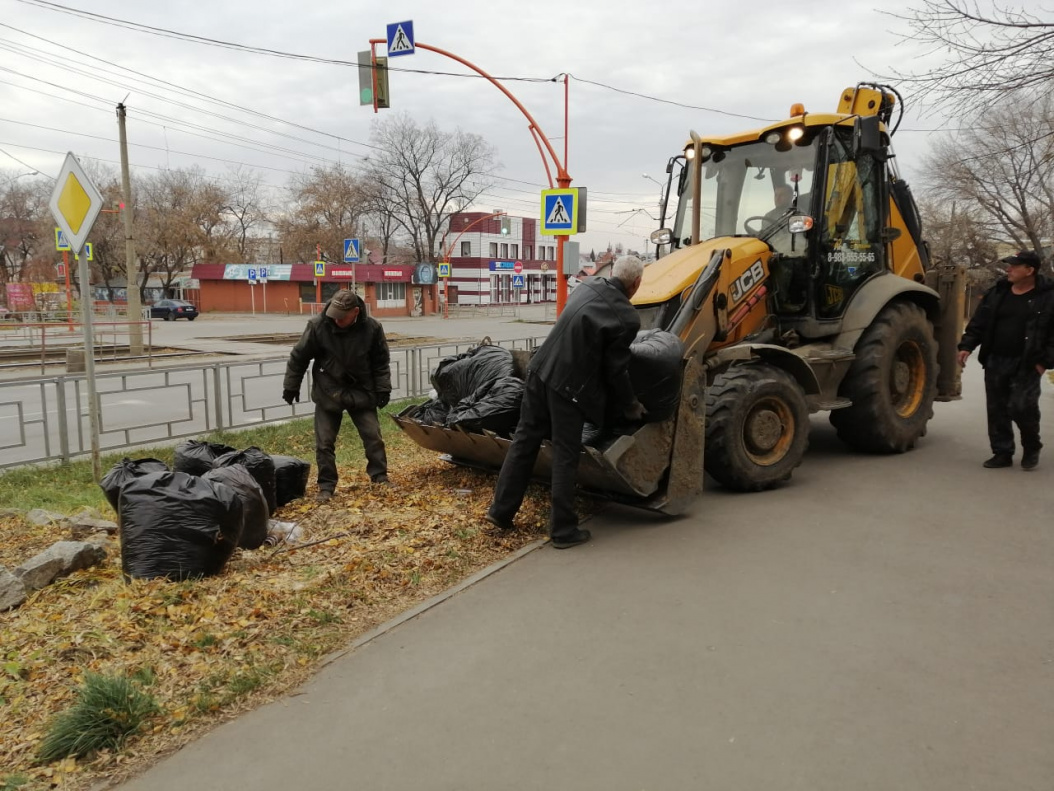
x: 46, y: 419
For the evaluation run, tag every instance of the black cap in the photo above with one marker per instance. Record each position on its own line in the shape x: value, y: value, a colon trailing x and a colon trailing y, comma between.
x: 1023, y: 258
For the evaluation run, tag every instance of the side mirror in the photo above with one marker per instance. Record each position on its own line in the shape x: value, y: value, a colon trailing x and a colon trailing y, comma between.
x: 661, y: 236
x: 867, y: 136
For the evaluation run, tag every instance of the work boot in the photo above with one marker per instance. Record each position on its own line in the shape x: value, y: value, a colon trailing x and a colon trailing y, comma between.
x: 323, y: 496
x: 1001, y: 460
x: 381, y: 480
x: 1029, y: 459
x: 502, y: 525
x: 573, y: 539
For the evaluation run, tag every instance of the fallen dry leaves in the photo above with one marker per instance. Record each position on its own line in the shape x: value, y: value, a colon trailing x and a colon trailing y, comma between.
x: 210, y: 649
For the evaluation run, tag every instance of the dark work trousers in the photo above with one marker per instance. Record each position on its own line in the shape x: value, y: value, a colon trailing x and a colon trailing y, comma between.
x: 1013, y: 397
x: 544, y: 414
x: 327, y: 426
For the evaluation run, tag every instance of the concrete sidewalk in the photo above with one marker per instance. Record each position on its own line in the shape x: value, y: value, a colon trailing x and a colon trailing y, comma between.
x: 882, y: 622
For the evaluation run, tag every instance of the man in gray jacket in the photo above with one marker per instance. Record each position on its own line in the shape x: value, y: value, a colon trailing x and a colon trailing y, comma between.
x: 583, y: 364
x: 351, y: 374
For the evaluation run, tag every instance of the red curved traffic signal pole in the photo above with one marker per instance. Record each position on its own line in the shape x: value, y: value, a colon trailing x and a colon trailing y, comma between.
x: 563, y: 180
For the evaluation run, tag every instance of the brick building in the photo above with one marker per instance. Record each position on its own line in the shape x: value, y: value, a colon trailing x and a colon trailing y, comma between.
x: 388, y: 290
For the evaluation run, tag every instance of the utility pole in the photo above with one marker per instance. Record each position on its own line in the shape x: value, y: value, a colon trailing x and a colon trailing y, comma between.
x: 135, y: 306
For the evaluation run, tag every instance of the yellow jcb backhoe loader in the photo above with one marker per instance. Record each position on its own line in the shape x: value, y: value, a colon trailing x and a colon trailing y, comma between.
x: 828, y: 303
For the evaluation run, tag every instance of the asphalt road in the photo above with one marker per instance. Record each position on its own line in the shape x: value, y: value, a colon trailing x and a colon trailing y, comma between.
x: 879, y: 623
x: 29, y: 429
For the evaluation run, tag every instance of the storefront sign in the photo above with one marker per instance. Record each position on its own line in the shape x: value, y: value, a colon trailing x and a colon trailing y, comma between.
x: 241, y: 271
x: 500, y: 266
x: 20, y: 296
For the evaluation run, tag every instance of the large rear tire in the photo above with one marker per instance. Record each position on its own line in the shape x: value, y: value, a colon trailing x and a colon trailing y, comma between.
x: 891, y: 383
x: 757, y: 427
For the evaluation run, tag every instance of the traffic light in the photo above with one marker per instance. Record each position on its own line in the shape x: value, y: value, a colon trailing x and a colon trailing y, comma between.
x: 366, y: 80
x: 506, y: 225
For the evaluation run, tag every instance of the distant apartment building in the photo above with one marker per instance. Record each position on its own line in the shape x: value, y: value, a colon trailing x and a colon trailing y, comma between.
x: 484, y: 262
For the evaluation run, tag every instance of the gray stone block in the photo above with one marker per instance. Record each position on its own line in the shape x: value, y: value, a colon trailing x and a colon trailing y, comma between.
x: 39, y: 516
x: 58, y: 560
x: 12, y: 590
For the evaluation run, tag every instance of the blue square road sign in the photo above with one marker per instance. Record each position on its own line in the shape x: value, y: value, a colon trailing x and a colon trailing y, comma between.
x: 351, y: 251
x: 401, y: 38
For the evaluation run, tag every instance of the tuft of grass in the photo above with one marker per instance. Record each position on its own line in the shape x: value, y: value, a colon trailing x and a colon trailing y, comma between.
x: 107, y: 711
x: 13, y: 782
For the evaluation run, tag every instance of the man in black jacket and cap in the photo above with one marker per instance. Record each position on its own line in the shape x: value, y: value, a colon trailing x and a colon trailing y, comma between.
x: 1012, y: 325
x: 351, y: 374
x: 583, y: 364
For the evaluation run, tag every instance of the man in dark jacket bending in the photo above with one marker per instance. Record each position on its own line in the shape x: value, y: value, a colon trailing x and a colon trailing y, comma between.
x: 1012, y: 325
x: 351, y: 374
x: 582, y: 365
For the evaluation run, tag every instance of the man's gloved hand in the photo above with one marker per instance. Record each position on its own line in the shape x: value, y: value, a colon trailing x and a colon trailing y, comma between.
x: 383, y: 399
x: 289, y: 396
x: 636, y: 412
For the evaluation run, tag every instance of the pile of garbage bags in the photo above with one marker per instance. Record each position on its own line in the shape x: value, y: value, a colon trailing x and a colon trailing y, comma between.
x: 478, y: 391
x: 186, y: 522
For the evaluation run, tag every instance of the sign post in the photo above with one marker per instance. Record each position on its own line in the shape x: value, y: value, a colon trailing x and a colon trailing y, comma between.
x: 64, y: 246
x: 263, y: 283
x: 320, y: 272
x: 251, y: 274
x: 75, y: 203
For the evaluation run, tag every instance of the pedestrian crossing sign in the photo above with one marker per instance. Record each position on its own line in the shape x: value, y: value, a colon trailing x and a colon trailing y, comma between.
x: 320, y: 268
x: 401, y: 38
x: 559, y: 212
x: 444, y: 270
x: 517, y: 281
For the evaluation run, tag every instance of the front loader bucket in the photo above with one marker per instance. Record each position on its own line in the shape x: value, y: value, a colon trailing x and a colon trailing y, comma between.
x: 659, y: 466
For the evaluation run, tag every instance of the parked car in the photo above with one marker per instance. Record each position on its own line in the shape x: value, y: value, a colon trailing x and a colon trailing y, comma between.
x: 172, y: 309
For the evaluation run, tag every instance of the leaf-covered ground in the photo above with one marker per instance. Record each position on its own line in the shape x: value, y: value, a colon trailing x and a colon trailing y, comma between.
x: 209, y: 649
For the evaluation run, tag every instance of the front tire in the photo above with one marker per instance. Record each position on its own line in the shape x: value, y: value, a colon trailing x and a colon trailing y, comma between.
x: 891, y: 383
x: 757, y: 427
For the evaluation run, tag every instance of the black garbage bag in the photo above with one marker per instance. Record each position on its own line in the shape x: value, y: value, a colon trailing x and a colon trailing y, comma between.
x: 290, y: 478
x: 656, y: 372
x: 196, y: 457
x: 254, y: 505
x: 259, y: 465
x: 125, y: 470
x: 431, y: 413
x: 462, y: 376
x: 494, y: 407
x: 177, y: 526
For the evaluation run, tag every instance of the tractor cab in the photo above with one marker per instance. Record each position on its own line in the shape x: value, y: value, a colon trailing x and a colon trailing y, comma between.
x: 812, y: 189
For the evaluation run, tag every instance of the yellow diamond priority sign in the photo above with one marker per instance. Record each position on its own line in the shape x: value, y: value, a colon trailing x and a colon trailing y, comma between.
x: 75, y: 203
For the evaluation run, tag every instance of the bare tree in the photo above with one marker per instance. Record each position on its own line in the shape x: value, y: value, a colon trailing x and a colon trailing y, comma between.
x: 26, y: 239
x: 1001, y: 171
x: 180, y: 222
x: 990, y: 53
x: 425, y: 175
x: 327, y: 204
x: 245, y: 212
x: 382, y: 207
x: 958, y: 233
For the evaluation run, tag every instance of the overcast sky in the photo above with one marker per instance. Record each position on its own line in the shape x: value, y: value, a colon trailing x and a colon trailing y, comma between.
x: 751, y: 59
